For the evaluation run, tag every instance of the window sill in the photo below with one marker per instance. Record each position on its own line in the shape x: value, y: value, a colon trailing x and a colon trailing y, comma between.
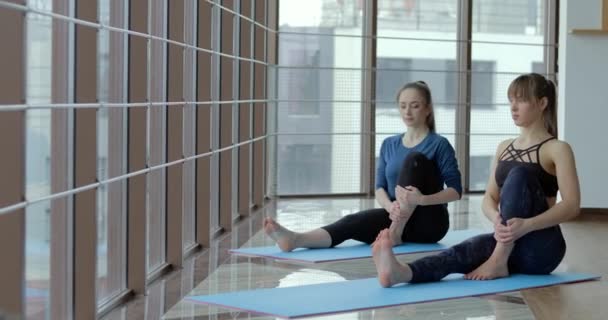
x: 591, y: 32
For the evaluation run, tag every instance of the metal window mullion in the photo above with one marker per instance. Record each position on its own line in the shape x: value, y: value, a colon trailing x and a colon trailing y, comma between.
x: 174, y: 132
x: 116, y: 214
x: 235, y: 109
x: 551, y: 39
x: 368, y: 105
x: 251, y: 105
x: 226, y: 120
x: 271, y: 107
x: 189, y: 120
x: 61, y: 288
x: 272, y: 116
x: 157, y: 129
x: 138, y: 90
x: 203, y: 129
x: 215, y: 117
x: 463, y: 110
x: 264, y: 162
x: 85, y: 165
x: 12, y: 163
x: 258, y: 189
x: 244, y: 109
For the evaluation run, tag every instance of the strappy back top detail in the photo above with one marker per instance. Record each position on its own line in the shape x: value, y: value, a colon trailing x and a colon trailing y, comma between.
x: 530, y: 159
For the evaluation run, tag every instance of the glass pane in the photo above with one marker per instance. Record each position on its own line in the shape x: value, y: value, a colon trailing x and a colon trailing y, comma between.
x: 38, y: 163
x: 499, y: 29
x: 320, y: 13
x: 317, y: 165
x: 320, y: 97
x: 38, y: 261
x: 438, y: 16
x: 416, y: 41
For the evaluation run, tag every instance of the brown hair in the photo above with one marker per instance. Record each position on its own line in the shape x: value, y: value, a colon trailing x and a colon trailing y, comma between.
x: 534, y: 87
x: 425, y: 91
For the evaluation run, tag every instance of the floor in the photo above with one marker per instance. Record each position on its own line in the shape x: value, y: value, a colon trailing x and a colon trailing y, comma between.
x: 214, y: 270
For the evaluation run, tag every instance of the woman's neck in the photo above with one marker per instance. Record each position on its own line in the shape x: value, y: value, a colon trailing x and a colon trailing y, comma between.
x: 532, y: 134
x: 415, y: 134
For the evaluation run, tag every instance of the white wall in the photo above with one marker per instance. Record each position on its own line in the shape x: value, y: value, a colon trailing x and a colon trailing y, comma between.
x: 583, y: 96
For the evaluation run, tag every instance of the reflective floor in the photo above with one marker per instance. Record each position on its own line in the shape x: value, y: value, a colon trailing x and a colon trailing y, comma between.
x: 215, y: 271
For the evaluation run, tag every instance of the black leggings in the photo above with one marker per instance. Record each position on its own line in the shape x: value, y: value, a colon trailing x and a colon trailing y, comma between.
x: 427, y: 224
x: 538, y: 252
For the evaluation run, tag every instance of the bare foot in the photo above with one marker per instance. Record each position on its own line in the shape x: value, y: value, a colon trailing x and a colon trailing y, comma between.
x: 397, y: 227
x: 285, y: 239
x: 491, y: 269
x: 390, y: 271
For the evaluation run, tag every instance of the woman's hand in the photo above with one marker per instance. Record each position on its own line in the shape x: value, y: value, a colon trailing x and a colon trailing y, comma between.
x: 409, y: 195
x: 515, y: 229
x: 394, y: 212
x: 501, y: 232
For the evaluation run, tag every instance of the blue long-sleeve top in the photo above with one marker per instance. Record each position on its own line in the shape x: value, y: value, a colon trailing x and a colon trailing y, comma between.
x: 433, y: 146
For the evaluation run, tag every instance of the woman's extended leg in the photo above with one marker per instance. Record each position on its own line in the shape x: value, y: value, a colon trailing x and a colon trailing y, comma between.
x: 288, y: 240
x: 362, y: 226
x: 461, y: 258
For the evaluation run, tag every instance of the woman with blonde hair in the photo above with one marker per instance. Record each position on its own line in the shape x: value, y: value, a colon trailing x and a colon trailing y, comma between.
x: 410, y: 176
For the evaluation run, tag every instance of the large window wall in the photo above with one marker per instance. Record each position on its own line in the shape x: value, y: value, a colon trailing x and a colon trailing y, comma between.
x: 342, y: 62
x: 118, y: 139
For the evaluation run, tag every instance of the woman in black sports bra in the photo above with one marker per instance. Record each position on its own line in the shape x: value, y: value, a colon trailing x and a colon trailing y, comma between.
x: 520, y: 199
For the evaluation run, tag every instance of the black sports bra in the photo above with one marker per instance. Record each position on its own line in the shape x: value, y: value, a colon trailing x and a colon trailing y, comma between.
x: 511, y: 158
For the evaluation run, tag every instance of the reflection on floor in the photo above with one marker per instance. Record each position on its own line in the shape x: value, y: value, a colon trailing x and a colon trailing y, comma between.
x: 214, y: 271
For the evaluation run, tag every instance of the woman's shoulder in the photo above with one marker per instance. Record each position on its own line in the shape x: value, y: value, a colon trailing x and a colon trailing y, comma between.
x: 439, y: 139
x: 558, y: 147
x: 393, y: 140
x: 503, y: 145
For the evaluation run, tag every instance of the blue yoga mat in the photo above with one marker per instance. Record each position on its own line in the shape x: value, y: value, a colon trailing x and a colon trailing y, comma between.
x: 348, y: 296
x: 352, y: 249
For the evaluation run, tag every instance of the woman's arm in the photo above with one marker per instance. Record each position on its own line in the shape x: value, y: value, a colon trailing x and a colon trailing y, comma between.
x: 443, y: 196
x: 383, y: 199
x: 567, y: 179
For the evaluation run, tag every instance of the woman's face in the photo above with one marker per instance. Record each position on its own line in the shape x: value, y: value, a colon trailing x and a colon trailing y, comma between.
x: 413, y: 108
x: 525, y: 112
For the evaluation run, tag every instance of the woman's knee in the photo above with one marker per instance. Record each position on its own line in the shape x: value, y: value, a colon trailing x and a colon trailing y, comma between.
x: 419, y: 171
x: 519, y: 182
x: 521, y: 195
x: 352, y: 220
x: 520, y: 177
x: 414, y: 160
